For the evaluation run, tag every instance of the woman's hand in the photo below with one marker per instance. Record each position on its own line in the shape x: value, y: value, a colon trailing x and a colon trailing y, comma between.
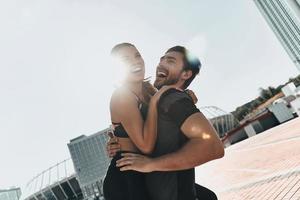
x: 192, y: 95
x: 136, y: 162
x: 162, y: 90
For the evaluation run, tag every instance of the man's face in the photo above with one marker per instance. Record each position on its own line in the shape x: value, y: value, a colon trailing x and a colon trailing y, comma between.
x: 169, y: 69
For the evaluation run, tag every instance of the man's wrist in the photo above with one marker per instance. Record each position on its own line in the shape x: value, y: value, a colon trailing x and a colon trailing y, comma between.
x: 153, y: 165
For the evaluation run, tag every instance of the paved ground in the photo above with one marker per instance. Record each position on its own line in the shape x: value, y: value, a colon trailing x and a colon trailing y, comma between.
x: 266, y: 166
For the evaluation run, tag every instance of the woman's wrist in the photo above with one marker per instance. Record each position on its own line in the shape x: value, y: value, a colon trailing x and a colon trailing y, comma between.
x: 153, y: 100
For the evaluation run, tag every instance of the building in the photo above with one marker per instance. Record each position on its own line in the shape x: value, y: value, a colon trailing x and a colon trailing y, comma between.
x: 90, y: 161
x: 283, y: 16
x: 222, y: 121
x: 289, y: 89
x: 58, y: 182
x: 293, y: 94
x: 263, y: 120
x: 279, y: 109
x: 10, y: 194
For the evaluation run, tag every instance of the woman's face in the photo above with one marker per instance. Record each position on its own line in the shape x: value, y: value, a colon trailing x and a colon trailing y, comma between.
x: 133, y: 63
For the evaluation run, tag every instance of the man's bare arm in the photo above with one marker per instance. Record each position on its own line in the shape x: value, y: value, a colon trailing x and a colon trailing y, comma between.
x: 203, y: 146
x: 112, y: 146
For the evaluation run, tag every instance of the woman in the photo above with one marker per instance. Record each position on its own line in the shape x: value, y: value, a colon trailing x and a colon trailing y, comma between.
x: 134, y: 115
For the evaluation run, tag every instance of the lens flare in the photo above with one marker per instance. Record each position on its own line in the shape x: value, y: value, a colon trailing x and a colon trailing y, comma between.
x: 119, y: 71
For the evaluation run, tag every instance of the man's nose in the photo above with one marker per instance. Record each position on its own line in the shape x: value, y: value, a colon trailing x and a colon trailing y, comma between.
x: 162, y: 61
x: 160, y: 64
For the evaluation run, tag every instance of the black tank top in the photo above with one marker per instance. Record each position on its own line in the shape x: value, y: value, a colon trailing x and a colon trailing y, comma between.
x: 119, y: 130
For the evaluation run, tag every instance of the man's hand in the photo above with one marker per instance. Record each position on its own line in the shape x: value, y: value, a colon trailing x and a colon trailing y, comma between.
x: 112, y: 146
x: 136, y: 162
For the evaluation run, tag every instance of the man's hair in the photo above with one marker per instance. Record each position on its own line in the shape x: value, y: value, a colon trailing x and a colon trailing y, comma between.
x: 190, y: 63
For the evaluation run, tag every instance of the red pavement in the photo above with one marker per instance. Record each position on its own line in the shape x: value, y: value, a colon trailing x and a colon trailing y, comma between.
x: 266, y: 166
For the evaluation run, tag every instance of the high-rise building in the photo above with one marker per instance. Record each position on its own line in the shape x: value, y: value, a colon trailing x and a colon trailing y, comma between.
x: 90, y: 162
x: 10, y: 194
x: 283, y: 16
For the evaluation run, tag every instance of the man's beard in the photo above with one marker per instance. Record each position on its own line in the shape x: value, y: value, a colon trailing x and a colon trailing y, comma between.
x: 159, y: 84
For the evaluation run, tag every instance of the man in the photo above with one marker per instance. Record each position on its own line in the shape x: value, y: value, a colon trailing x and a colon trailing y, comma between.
x: 185, y: 138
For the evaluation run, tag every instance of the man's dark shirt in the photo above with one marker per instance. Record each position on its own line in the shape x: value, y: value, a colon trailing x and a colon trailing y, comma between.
x: 174, y: 108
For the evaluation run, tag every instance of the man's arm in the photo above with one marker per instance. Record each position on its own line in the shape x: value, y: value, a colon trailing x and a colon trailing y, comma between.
x: 203, y: 145
x: 112, y: 146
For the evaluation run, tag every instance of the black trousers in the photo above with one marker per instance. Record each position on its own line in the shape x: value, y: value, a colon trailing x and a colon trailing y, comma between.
x: 130, y: 185
x: 203, y: 193
x: 127, y: 185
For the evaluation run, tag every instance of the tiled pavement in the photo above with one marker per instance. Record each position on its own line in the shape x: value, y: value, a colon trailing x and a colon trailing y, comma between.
x: 266, y: 166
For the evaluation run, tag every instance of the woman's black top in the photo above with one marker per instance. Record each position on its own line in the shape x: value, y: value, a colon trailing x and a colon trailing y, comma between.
x: 119, y: 130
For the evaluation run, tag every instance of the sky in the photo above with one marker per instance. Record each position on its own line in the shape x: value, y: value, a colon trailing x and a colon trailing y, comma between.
x: 56, y: 80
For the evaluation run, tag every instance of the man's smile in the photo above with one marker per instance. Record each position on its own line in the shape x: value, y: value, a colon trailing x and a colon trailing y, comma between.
x: 161, y: 72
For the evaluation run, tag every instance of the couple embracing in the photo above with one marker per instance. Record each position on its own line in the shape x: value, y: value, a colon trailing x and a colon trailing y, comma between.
x: 159, y: 134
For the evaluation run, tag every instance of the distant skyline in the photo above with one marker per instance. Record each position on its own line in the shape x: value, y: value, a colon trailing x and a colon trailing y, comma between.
x: 56, y: 81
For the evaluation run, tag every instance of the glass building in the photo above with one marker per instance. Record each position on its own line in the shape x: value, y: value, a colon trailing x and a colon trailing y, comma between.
x: 10, y: 194
x: 90, y: 161
x: 283, y: 16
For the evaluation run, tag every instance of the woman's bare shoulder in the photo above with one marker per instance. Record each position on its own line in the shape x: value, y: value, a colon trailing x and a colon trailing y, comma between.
x: 121, y: 97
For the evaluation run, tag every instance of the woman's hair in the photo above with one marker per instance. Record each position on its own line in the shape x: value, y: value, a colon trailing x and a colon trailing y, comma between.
x: 148, y: 90
x: 115, y: 50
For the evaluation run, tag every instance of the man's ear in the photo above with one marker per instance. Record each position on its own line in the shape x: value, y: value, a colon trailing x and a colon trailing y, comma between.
x: 186, y: 74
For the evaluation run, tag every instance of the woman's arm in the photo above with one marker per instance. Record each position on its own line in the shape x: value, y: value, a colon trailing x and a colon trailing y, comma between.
x: 124, y: 109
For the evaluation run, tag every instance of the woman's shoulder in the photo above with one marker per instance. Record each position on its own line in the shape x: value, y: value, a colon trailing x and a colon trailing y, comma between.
x: 121, y: 96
